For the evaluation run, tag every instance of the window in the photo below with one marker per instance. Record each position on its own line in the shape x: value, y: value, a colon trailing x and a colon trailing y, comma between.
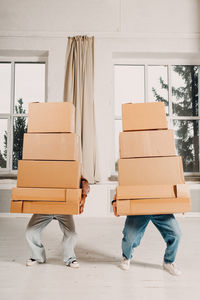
x: 177, y: 86
x: 20, y: 83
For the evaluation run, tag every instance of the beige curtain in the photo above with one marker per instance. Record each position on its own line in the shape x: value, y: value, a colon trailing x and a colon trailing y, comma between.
x: 79, y: 89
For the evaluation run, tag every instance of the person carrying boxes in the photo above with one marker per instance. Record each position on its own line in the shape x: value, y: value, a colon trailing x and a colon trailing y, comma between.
x: 39, y: 221
x: 134, y: 230
x: 151, y: 181
x: 49, y: 181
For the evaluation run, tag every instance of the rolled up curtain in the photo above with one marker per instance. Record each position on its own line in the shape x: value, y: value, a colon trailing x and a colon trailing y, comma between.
x: 79, y: 89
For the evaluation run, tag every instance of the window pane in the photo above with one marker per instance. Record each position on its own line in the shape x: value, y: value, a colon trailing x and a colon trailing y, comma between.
x: 185, y: 90
x: 129, y: 85
x: 118, y: 129
x: 19, y: 128
x: 158, y: 85
x: 29, y: 84
x: 187, y: 143
x: 5, y: 87
x: 3, y: 143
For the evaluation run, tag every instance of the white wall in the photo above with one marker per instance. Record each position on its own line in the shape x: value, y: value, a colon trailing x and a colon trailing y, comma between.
x: 51, y: 17
x: 125, y: 30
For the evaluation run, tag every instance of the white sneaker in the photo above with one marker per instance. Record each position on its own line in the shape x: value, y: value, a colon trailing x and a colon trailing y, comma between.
x: 31, y: 262
x: 125, y: 264
x: 172, y: 268
x: 74, y: 264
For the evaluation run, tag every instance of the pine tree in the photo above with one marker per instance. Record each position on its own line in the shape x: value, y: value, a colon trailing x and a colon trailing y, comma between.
x: 19, y: 128
x: 3, y: 155
x: 186, y: 105
x: 2, y: 161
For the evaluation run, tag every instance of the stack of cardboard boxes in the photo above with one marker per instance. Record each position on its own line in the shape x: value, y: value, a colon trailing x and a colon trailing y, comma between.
x: 151, y: 179
x: 49, y: 174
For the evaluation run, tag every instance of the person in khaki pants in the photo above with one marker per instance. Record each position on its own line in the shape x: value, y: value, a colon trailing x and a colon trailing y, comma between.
x: 39, y: 221
x: 133, y: 232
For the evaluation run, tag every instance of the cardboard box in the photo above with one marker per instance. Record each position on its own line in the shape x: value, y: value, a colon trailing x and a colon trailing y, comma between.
x: 37, y: 202
x: 143, y: 116
x: 49, y: 174
x: 147, y: 143
x: 16, y: 206
x: 39, y: 194
x: 45, y: 194
x: 71, y: 206
x: 152, y: 191
x: 153, y: 206
x: 73, y: 195
x: 146, y: 191
x: 151, y: 171
x: 51, y: 117
x: 64, y: 208
x: 51, y: 146
x: 182, y: 191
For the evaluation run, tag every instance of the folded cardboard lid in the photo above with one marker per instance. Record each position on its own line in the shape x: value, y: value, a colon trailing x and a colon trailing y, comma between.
x: 65, y: 208
x: 152, y: 191
x: 146, y: 191
x: 153, y: 206
x: 38, y: 194
x: 16, y: 206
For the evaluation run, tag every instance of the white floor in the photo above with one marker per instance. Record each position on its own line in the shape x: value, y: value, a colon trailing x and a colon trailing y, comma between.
x: 98, y: 251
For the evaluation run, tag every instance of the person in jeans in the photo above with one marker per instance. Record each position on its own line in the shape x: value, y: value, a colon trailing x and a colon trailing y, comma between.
x: 39, y: 221
x: 133, y: 232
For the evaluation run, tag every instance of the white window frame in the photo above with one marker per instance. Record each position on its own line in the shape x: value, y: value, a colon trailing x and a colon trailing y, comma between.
x: 160, y: 62
x: 10, y: 116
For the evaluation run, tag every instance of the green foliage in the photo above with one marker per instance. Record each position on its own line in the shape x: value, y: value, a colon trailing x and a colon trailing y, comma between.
x: 3, y: 156
x: 2, y: 161
x: 186, y: 104
x: 19, y: 128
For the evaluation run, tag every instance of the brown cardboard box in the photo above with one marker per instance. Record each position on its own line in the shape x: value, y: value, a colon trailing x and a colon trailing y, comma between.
x: 65, y: 208
x: 147, y: 143
x: 45, y: 194
x: 16, y: 206
x: 182, y: 191
x: 51, y: 117
x: 71, y: 206
x: 51, y: 146
x: 151, y: 171
x: 146, y: 191
x: 73, y: 195
x: 143, y: 116
x: 153, y: 206
x: 39, y: 194
x: 152, y: 191
x: 49, y: 174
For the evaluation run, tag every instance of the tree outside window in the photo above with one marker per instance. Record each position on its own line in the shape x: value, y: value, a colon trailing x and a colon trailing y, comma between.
x: 177, y: 87
x: 22, y: 82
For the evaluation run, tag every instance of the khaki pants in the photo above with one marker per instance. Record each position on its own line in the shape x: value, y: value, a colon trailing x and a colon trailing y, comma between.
x: 33, y: 236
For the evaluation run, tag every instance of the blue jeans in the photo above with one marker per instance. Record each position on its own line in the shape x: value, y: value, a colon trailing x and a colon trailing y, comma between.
x: 135, y: 227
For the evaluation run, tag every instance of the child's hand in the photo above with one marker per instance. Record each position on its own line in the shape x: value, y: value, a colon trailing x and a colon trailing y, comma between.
x: 115, y: 209
x: 82, y: 203
x: 85, y: 187
x: 114, y: 204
